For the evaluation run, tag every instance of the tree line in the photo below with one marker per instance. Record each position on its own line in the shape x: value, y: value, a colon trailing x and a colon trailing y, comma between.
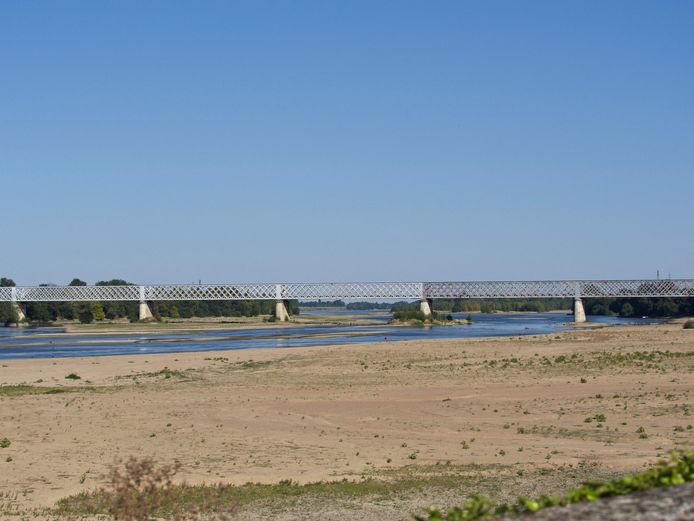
x: 640, y: 307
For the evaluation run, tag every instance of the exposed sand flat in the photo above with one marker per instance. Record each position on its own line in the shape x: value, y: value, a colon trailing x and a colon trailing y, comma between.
x: 323, y: 413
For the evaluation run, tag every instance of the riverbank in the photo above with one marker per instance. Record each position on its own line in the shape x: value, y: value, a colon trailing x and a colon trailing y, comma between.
x: 511, y: 414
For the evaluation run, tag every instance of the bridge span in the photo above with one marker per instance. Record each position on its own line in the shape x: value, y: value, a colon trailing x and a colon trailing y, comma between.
x: 425, y: 292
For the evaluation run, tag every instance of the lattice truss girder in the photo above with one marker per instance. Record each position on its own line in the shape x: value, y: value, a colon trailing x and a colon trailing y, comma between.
x: 561, y: 288
x: 356, y: 290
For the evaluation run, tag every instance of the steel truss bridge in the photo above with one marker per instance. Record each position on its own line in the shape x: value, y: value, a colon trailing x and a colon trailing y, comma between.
x: 355, y: 290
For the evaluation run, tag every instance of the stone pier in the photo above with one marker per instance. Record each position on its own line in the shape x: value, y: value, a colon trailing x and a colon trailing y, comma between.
x: 145, y: 312
x: 281, y: 312
x: 19, y: 310
x: 579, y: 311
x: 426, y: 306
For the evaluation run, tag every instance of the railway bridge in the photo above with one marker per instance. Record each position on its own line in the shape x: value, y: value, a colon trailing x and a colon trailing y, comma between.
x: 425, y: 292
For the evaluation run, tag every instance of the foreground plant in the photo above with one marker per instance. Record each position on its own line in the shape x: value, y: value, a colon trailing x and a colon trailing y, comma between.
x: 677, y: 471
x: 140, y: 490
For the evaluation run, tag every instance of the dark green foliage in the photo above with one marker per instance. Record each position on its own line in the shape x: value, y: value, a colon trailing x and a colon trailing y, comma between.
x: 219, y: 308
x: 323, y: 304
x: 679, y: 470
x: 409, y: 311
x: 689, y: 324
x: 640, y: 307
x: 364, y: 306
x: 627, y: 310
x: 410, y: 314
x: 539, y: 305
x: 22, y: 390
x: 7, y: 314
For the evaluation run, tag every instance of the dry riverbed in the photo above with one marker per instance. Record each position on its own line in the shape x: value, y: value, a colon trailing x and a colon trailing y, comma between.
x: 422, y: 422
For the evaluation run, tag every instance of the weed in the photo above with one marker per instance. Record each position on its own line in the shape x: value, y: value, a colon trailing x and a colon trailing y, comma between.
x: 73, y: 376
x: 679, y: 470
x: 22, y: 390
x: 4, y: 443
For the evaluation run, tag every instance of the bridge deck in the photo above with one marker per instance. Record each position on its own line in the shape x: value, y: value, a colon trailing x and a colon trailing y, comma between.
x: 355, y: 290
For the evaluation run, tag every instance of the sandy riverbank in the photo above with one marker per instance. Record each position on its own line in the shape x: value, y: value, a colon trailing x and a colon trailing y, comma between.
x: 325, y: 413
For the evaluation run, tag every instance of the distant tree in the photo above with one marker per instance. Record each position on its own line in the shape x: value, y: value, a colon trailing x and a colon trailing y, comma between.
x: 77, y: 282
x: 83, y: 312
x: 97, y: 311
x: 627, y: 310
x: 8, y: 315
x: 113, y: 282
x: 6, y: 283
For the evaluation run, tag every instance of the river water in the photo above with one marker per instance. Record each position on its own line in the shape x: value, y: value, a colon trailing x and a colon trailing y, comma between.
x: 53, y: 343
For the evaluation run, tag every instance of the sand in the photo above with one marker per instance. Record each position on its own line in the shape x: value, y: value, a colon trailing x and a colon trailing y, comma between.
x: 324, y: 413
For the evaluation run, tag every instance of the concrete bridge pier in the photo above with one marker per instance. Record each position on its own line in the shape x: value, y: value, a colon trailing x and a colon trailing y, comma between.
x: 281, y: 312
x: 19, y: 311
x: 145, y: 312
x: 426, y: 306
x: 579, y: 311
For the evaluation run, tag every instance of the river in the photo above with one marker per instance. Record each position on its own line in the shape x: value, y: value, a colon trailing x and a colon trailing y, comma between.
x: 53, y: 343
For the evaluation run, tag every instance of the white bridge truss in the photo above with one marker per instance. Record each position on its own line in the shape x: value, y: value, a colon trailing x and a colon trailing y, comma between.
x: 355, y: 290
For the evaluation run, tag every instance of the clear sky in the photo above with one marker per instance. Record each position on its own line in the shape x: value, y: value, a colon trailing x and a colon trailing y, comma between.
x: 377, y: 140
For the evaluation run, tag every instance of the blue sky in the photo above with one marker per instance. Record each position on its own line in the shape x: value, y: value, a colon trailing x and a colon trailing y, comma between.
x: 393, y: 140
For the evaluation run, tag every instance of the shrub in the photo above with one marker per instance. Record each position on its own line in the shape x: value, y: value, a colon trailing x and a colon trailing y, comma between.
x: 676, y: 472
x: 4, y: 443
x: 140, y: 489
x: 410, y: 314
x: 73, y: 376
x: 689, y: 324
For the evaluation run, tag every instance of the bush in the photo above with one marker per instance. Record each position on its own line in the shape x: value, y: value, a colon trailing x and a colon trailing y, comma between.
x: 138, y: 491
x: 689, y: 324
x: 676, y: 472
x: 410, y: 314
x: 141, y: 490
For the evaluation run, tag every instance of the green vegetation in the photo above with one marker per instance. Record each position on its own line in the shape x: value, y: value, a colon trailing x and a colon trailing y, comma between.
x: 640, y: 307
x: 207, y: 500
x: 412, y: 313
x: 679, y: 470
x: 73, y: 376
x: 23, y: 390
x: 406, y: 314
x: 4, y: 443
x: 689, y: 324
x: 511, y: 304
x: 166, y: 373
x: 365, y: 306
x: 7, y: 314
x: 322, y: 304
